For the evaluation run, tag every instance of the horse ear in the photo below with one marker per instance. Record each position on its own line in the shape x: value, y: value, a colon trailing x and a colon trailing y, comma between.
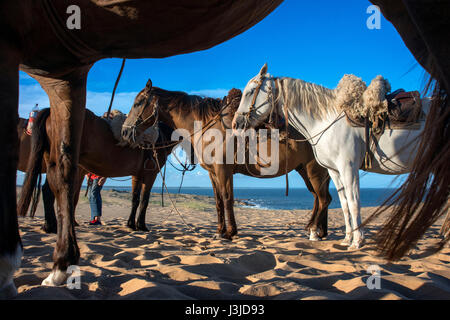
x: 149, y: 84
x: 263, y: 70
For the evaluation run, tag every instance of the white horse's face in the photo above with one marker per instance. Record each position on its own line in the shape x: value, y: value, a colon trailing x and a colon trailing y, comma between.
x: 256, y: 102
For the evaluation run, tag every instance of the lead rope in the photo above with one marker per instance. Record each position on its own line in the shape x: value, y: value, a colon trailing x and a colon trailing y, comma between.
x: 286, y: 116
x: 155, y: 155
x: 115, y: 87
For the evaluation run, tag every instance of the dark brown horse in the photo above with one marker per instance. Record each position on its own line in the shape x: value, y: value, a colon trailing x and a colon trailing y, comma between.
x: 57, y: 42
x: 423, y: 26
x: 50, y: 225
x: 180, y: 111
x: 101, y: 154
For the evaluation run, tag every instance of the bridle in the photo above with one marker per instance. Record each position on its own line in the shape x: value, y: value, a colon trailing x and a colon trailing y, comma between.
x: 269, y: 100
x: 140, y: 121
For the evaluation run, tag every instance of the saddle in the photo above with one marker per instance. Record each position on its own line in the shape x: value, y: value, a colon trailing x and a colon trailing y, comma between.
x: 404, y: 108
x: 404, y: 112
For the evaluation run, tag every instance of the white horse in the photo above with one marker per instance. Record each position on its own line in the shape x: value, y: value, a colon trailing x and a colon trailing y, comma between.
x: 317, y: 113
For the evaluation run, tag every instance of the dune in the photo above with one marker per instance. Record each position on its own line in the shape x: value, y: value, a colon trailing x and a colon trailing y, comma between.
x: 271, y: 258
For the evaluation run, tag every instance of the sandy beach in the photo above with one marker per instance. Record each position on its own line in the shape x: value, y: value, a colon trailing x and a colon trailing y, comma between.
x: 181, y: 258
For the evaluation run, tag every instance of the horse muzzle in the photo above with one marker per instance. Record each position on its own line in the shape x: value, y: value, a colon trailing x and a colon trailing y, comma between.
x: 129, y: 134
x: 239, y: 123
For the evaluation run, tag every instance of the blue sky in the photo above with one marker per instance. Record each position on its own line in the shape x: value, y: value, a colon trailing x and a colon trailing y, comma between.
x: 317, y: 41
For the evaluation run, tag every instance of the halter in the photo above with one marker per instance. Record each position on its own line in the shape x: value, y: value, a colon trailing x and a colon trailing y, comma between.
x: 270, y: 96
x: 139, y: 122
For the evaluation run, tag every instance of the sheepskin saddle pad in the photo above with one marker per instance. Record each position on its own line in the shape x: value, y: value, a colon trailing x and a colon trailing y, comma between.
x: 116, y: 120
x: 375, y: 103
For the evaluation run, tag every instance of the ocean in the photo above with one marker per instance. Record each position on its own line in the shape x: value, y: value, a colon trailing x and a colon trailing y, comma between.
x: 274, y: 198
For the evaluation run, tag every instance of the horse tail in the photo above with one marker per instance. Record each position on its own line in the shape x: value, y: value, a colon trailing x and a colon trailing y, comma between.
x: 31, y: 185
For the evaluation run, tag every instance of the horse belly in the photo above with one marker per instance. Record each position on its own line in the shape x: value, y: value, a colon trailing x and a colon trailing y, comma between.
x: 395, y: 152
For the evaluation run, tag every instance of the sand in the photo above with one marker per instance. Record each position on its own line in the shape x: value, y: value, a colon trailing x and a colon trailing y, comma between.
x: 271, y: 258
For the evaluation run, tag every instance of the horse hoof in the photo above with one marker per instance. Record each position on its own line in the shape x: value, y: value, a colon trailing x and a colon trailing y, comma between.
x: 142, y: 228
x: 9, y: 263
x: 132, y: 226
x: 227, y: 236
x: 9, y: 291
x: 356, y: 245
x: 346, y: 242
x: 49, y: 229
x: 322, y: 235
x: 313, y: 236
x: 55, y: 278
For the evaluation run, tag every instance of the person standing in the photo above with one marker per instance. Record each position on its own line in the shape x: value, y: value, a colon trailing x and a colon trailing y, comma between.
x: 95, y: 185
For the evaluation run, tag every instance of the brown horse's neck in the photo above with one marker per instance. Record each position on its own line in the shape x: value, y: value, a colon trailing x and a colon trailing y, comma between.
x: 180, y: 111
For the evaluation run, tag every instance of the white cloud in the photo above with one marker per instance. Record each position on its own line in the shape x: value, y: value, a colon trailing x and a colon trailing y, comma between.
x: 29, y: 95
x: 98, y: 102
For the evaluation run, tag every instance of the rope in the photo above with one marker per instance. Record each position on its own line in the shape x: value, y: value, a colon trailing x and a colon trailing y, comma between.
x: 170, y: 198
x: 115, y: 87
x: 286, y: 115
x: 115, y: 179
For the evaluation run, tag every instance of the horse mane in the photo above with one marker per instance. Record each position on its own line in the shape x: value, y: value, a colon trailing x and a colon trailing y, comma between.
x: 233, y: 100
x: 313, y: 99
x: 202, y: 108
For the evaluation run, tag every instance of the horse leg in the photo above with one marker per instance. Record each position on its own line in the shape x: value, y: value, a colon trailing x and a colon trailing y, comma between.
x: 144, y: 201
x: 221, y: 227
x: 319, y: 179
x: 344, y: 205
x: 312, y: 224
x: 50, y: 224
x: 350, y: 178
x: 67, y: 97
x: 136, y: 186
x: 10, y: 243
x: 225, y: 179
x: 324, y: 201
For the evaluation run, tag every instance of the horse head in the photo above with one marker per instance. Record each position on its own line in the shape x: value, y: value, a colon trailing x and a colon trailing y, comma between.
x: 256, y: 102
x: 142, y: 117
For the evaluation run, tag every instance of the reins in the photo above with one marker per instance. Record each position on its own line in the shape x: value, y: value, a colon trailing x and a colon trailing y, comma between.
x: 274, y: 114
x: 208, y: 125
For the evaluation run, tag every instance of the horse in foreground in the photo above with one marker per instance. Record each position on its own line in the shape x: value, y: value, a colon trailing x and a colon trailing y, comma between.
x: 38, y: 38
x: 319, y: 114
x: 183, y: 112
x: 102, y: 154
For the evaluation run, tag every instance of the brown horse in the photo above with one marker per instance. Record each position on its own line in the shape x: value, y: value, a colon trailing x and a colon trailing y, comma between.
x: 50, y: 225
x: 101, y: 154
x: 423, y: 26
x: 57, y: 42
x: 180, y: 111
